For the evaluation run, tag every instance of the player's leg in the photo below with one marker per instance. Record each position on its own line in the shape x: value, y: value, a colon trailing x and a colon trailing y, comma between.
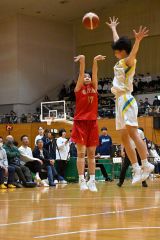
x: 81, y: 150
x: 91, y: 165
x: 131, y: 153
x: 142, y: 151
x: 124, y: 168
x: 144, y: 183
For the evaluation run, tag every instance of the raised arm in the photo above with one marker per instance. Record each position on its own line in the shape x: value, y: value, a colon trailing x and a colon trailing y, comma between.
x: 81, y: 59
x: 113, y: 26
x: 142, y: 33
x: 95, y: 70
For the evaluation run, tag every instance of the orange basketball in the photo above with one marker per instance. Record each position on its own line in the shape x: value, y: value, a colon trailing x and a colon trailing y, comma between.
x: 90, y: 20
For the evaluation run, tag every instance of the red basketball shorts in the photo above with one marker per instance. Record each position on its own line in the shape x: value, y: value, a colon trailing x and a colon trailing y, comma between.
x: 85, y: 132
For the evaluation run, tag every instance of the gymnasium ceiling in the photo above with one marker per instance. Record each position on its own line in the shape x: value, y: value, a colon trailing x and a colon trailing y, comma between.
x: 59, y: 10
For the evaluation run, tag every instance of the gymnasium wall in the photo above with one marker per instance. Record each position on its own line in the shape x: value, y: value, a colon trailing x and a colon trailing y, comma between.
x: 36, y: 58
x: 131, y: 15
x: 31, y: 129
x: 8, y: 61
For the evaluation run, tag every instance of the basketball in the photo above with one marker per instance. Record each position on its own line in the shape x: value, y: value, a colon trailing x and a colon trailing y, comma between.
x: 90, y: 21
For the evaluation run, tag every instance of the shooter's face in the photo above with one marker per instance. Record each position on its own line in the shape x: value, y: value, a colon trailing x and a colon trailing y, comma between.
x: 87, y: 79
x: 120, y: 54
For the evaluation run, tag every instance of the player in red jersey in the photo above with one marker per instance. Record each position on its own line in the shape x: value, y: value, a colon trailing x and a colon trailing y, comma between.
x: 85, y: 128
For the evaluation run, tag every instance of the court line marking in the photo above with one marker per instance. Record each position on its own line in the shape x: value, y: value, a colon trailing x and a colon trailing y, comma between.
x: 79, y: 216
x: 96, y: 230
x: 87, y: 198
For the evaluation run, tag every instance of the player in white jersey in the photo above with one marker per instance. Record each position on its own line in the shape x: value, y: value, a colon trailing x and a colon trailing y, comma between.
x: 126, y: 106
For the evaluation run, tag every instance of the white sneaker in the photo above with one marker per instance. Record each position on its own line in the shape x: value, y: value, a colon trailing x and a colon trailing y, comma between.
x: 137, y: 175
x: 44, y: 184
x: 147, y: 169
x: 56, y: 181
x: 38, y: 181
x: 63, y: 182
x: 92, y: 186
x: 83, y: 185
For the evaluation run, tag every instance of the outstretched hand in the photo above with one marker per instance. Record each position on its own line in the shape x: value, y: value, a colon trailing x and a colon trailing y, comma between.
x: 113, y: 22
x: 79, y: 58
x: 99, y: 58
x: 142, y: 33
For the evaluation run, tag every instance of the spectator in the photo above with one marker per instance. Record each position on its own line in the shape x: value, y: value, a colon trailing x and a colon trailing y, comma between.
x: 34, y: 164
x: 23, y: 118
x: 105, y: 88
x: 156, y: 102
x: 62, y: 152
x: 48, y: 163
x: 154, y: 154
x: 50, y: 144
x: 100, y: 89
x: 13, y: 156
x: 13, y: 117
x: 40, y: 135
x: 29, y: 118
x: 73, y: 149
x: 105, y: 143
x: 5, y: 170
x: 146, y: 103
x: 141, y: 108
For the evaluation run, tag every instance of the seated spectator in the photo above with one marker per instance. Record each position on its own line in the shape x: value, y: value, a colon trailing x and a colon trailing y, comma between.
x: 140, y: 85
x: 29, y: 118
x: 141, y: 108
x: 105, y: 143
x: 146, y: 103
x: 23, y: 118
x: 50, y: 144
x: 154, y: 154
x: 62, y: 152
x: 156, y: 101
x: 13, y: 117
x: 13, y: 156
x: 100, y: 89
x: 34, y: 164
x: 5, y: 170
x: 105, y: 88
x: 40, y: 135
x: 48, y: 163
x: 135, y: 85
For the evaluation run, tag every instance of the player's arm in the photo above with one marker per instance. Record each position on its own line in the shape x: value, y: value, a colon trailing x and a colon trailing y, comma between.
x: 113, y: 22
x: 95, y: 70
x: 81, y: 60
x: 142, y: 33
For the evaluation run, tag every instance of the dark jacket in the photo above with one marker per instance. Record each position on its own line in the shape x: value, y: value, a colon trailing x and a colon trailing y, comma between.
x: 105, y: 145
x: 50, y: 146
x: 13, y: 154
x: 46, y: 159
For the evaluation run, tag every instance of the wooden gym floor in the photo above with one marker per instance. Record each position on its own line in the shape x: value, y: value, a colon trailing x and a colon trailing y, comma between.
x: 65, y: 213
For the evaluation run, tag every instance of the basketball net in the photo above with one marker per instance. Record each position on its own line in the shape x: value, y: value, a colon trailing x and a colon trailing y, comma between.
x: 49, y: 120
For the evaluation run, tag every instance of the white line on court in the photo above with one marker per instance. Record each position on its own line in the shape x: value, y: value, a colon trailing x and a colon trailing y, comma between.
x: 79, y: 216
x: 97, y: 230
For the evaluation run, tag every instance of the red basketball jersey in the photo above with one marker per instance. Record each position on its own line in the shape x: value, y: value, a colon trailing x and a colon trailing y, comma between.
x: 86, y: 103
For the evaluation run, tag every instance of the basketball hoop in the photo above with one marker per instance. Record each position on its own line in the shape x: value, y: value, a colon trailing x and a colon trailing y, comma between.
x: 49, y: 120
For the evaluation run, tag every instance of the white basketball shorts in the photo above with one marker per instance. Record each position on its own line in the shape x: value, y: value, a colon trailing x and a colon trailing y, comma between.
x: 126, y: 112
